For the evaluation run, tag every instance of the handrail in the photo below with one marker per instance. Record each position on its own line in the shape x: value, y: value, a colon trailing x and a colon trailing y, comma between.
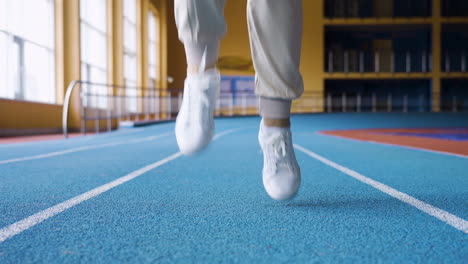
x: 160, y: 104
x: 66, y: 106
x: 72, y: 85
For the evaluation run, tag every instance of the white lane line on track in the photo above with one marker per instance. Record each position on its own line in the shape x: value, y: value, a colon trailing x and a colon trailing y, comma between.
x: 399, y: 146
x: 73, y: 150
x: 105, y: 135
x: 22, y: 225
x: 450, y: 219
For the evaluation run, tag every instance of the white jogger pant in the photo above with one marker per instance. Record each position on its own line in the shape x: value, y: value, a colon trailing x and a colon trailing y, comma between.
x: 275, y: 28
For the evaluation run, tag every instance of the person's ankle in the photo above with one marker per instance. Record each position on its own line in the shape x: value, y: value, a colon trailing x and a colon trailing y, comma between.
x: 193, y: 70
x: 279, y: 123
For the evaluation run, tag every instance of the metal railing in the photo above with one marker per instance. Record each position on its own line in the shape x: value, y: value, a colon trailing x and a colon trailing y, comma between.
x: 107, y: 106
x: 104, y: 105
x: 105, y: 102
x: 455, y: 61
x: 384, y: 61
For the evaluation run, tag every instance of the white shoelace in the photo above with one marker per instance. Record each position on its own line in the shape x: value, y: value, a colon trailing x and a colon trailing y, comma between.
x: 277, y: 142
x: 199, y: 97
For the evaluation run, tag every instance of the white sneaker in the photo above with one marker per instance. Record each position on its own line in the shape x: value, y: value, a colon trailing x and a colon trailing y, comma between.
x: 194, y: 127
x: 281, y: 173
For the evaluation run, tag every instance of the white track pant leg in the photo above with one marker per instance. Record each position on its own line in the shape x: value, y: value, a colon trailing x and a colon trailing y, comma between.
x: 275, y: 28
x: 201, y: 26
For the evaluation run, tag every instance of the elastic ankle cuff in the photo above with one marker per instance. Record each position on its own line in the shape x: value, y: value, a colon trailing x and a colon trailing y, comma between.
x: 275, y: 108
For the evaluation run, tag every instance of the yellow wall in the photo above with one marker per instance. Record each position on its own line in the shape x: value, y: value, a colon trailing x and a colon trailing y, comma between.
x: 176, y: 64
x: 236, y: 43
x: 20, y: 117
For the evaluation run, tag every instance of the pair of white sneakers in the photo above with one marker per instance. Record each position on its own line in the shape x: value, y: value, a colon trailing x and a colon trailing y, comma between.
x: 195, y: 129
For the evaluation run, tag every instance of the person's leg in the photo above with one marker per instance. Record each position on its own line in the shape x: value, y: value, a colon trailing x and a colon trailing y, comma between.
x: 275, y: 28
x: 201, y: 25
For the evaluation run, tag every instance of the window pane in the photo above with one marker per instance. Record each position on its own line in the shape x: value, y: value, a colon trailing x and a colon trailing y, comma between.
x: 153, y: 47
x: 3, y: 14
x: 94, y: 49
x: 130, y: 10
x: 32, y: 27
x: 4, y: 69
x: 151, y: 26
x: 130, y: 64
x: 129, y: 36
x: 15, y: 16
x: 27, y: 65
x: 36, y: 86
x: 93, y: 12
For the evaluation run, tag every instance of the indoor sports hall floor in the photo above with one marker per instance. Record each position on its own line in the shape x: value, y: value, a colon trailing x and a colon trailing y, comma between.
x: 128, y: 196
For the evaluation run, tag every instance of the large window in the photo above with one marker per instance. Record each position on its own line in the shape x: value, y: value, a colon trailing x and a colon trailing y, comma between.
x: 130, y: 56
x: 94, y: 49
x: 153, y: 60
x: 153, y: 50
x: 27, y: 50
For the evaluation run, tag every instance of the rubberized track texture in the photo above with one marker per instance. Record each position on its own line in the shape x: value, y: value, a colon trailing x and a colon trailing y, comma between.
x: 129, y: 196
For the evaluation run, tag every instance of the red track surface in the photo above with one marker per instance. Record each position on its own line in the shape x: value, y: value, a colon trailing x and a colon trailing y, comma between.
x: 377, y: 135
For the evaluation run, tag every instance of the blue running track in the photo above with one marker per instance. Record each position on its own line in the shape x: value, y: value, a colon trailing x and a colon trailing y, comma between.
x: 211, y: 208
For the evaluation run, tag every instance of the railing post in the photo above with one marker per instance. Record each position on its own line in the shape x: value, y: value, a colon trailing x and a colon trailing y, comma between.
x: 389, y: 103
x: 157, y: 105
x: 447, y: 62
x: 377, y: 62
x: 424, y: 62
x: 343, y: 102
x: 330, y: 61
x: 454, y: 104
x: 358, y: 103
x: 84, y: 103
x: 408, y: 62
x: 329, y: 103
x: 244, y: 104
x: 421, y: 99
x: 109, y: 113
x: 231, y: 104
x: 463, y: 62
x: 147, y: 105
x: 98, y: 114
x: 430, y: 62
x: 361, y: 62
x: 405, y: 103
x: 392, y: 62
x: 374, y: 102
x: 169, y: 106
x: 127, y: 108
x: 346, y: 62
x: 118, y: 104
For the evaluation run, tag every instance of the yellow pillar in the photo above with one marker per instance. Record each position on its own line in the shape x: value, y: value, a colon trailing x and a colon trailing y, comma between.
x: 115, y: 50
x: 115, y: 43
x: 142, y: 48
x: 436, y: 54
x: 67, y: 43
x: 313, y: 51
x: 142, y: 42
x: 163, y: 44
